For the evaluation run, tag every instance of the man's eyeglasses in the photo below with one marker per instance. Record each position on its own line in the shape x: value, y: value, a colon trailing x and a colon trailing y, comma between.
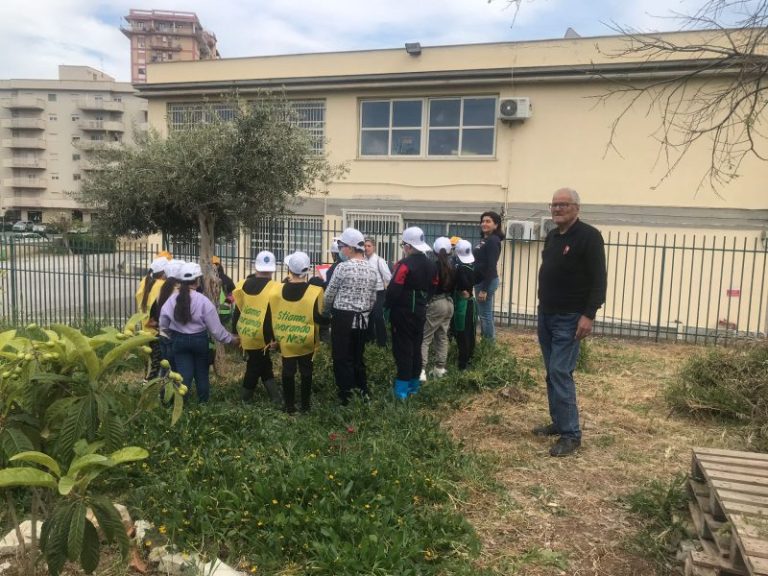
x: 561, y: 205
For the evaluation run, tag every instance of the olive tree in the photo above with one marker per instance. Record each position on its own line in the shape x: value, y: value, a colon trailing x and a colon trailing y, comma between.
x: 229, y: 165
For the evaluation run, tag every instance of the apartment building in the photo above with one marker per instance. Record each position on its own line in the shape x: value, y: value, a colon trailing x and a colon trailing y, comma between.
x: 165, y: 36
x: 48, y: 130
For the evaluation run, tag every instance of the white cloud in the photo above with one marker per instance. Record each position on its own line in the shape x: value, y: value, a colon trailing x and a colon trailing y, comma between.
x: 37, y: 35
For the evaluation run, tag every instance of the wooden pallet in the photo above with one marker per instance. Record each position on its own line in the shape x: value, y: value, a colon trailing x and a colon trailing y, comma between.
x: 729, y: 507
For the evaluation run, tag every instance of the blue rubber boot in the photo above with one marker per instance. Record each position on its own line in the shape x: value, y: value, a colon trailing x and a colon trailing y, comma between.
x: 401, y: 389
x: 413, y: 386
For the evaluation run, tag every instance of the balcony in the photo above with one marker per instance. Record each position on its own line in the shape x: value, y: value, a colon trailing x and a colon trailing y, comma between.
x: 24, y: 201
x: 35, y: 143
x: 24, y: 163
x: 160, y: 45
x: 92, y: 103
x: 98, y: 145
x: 24, y: 123
x: 25, y: 103
x: 39, y: 183
x: 101, y: 125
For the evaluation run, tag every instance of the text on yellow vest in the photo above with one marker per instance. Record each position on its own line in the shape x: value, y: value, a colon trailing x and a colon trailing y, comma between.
x: 253, y: 309
x: 294, y: 323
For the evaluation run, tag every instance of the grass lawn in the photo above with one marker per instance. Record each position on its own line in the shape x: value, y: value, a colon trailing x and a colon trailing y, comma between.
x: 449, y: 483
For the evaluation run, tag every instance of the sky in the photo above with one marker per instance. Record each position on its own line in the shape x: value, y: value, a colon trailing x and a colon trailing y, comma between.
x: 38, y: 35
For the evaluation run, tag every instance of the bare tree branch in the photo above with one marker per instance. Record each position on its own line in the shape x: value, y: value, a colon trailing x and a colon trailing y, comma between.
x: 718, y: 100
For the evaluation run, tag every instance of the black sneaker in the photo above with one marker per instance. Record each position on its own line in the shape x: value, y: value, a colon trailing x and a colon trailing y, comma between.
x: 547, y: 430
x: 564, y: 447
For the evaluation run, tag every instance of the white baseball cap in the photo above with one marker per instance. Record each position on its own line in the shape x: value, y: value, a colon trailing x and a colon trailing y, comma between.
x: 353, y: 238
x: 190, y: 271
x: 298, y: 263
x: 265, y: 262
x: 464, y: 251
x: 173, y: 269
x: 443, y: 243
x: 415, y: 237
x: 158, y: 265
x: 335, y: 246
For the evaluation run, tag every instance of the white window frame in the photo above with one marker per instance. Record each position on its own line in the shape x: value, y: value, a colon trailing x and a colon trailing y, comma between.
x: 425, y: 128
x: 460, y: 127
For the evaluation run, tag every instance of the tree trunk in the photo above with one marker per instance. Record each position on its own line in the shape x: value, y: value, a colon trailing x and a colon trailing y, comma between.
x: 211, y: 282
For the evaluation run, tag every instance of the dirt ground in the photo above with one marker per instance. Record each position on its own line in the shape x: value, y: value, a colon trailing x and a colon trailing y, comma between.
x: 563, y: 515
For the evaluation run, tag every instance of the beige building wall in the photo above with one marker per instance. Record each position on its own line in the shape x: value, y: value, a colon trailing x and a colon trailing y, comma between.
x: 50, y: 128
x: 626, y: 190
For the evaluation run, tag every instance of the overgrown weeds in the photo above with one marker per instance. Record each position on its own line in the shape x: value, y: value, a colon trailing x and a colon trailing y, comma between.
x: 373, y: 488
x: 662, y: 504
x: 728, y: 384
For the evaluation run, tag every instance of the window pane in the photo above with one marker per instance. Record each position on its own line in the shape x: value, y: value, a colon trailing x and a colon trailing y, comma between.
x: 444, y: 112
x: 374, y: 143
x: 443, y: 142
x: 406, y: 113
x: 375, y: 115
x: 477, y: 141
x: 406, y: 142
x: 479, y: 111
x: 468, y: 231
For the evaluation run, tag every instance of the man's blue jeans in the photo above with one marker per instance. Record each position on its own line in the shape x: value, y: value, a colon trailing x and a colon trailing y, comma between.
x: 191, y: 354
x: 557, y: 338
x: 485, y: 310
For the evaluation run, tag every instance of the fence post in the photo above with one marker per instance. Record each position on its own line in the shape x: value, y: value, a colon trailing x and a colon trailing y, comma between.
x: 14, y: 291
x: 661, y: 290
x: 85, y: 285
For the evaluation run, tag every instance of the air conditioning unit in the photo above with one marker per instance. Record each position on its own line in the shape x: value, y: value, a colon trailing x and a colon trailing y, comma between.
x: 520, y: 230
x: 514, y: 109
x: 547, y: 224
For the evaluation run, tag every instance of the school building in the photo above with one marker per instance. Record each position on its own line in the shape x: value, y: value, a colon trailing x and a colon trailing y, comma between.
x: 435, y: 135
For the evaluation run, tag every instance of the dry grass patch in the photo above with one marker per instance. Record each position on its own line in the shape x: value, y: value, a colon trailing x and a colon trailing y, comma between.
x: 564, y: 515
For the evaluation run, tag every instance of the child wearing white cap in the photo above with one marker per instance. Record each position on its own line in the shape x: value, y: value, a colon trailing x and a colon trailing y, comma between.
x: 252, y: 321
x: 147, y: 294
x: 351, y: 296
x: 439, y: 312
x: 464, y: 303
x: 413, y: 281
x: 188, y: 316
x: 297, y: 310
x: 171, y: 284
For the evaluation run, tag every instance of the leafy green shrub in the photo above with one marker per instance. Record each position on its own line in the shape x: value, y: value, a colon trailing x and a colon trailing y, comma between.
x: 60, y: 404
x: 87, y: 243
x: 726, y: 383
x: 663, y: 506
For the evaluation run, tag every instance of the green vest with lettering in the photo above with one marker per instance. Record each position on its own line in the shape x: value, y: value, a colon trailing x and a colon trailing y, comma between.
x: 294, y: 322
x: 253, y: 308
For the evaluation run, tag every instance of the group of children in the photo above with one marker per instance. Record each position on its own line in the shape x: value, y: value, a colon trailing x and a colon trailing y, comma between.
x: 427, y: 300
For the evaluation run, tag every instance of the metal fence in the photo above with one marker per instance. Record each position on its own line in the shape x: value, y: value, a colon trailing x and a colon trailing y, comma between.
x: 678, y: 287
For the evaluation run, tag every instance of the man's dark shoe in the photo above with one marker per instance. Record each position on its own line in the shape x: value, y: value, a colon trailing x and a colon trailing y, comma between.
x: 547, y: 430
x: 564, y: 447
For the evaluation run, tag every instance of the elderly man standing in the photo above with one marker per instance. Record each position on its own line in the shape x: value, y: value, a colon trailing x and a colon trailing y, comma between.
x: 572, y: 284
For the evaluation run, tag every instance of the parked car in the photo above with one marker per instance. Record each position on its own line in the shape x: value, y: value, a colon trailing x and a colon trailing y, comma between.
x: 23, y: 226
x: 40, y: 228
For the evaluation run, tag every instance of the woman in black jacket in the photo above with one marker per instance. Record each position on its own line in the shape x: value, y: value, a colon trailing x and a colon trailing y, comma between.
x: 487, y: 254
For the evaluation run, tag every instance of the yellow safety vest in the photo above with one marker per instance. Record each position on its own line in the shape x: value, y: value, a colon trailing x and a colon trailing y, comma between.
x: 294, y: 323
x: 154, y: 292
x: 253, y: 309
x: 140, y: 293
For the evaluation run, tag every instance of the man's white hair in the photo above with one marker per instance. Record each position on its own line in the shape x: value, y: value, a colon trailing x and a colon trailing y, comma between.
x: 572, y: 193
